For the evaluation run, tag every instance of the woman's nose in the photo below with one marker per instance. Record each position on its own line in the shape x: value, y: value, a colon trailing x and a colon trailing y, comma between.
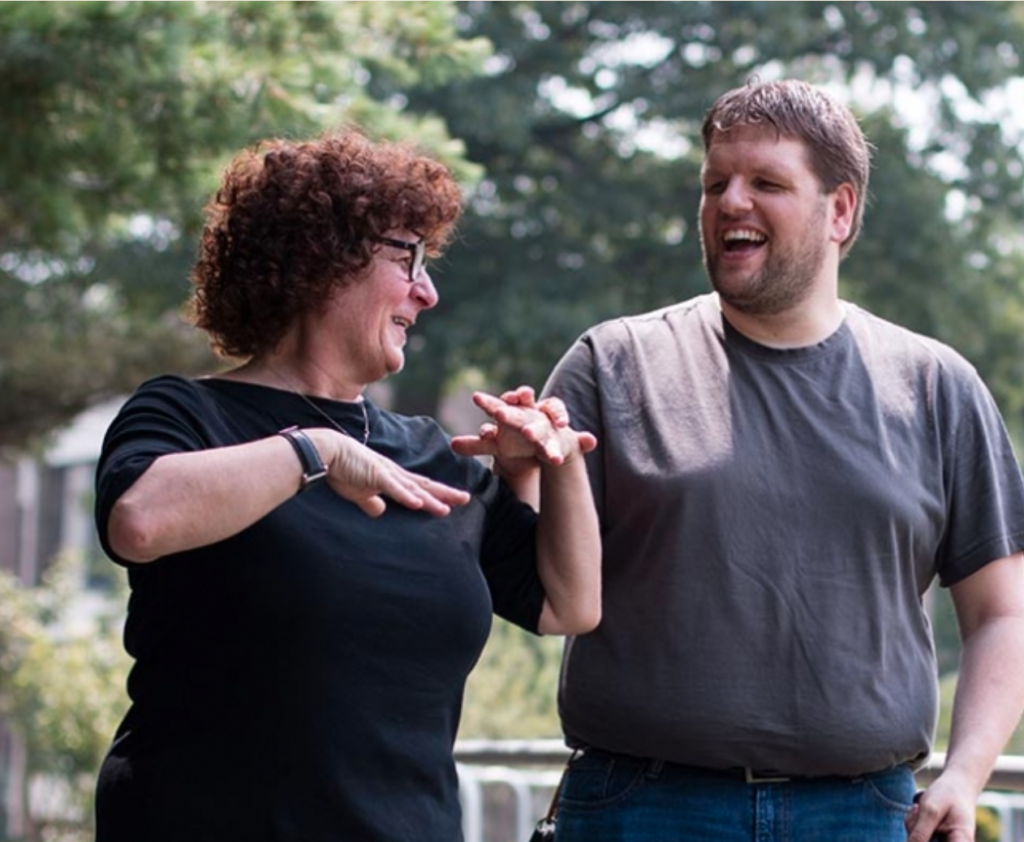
x: 423, y: 290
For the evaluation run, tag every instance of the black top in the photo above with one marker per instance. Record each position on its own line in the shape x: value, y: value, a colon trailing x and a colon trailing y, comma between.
x: 303, y: 679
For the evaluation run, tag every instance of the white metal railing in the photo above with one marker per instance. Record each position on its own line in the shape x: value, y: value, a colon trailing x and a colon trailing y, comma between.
x: 509, y: 783
x: 1009, y: 808
x: 530, y: 790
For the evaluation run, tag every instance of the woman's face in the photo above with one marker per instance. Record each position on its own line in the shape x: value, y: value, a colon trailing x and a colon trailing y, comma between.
x: 370, y: 318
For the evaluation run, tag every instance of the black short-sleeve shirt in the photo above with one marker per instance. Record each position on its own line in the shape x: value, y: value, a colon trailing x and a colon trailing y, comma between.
x: 303, y: 679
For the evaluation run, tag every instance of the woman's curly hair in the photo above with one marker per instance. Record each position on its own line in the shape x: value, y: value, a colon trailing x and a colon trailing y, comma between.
x: 292, y: 221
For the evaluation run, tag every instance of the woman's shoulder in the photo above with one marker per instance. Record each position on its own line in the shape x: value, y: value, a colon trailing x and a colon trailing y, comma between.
x: 402, y: 433
x: 173, y: 402
x: 172, y: 393
x: 421, y: 443
x: 168, y: 384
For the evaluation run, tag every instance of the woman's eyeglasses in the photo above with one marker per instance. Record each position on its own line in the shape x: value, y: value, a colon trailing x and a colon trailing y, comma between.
x: 417, y: 250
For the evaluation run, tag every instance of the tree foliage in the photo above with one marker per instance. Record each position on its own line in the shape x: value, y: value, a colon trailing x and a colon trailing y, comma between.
x: 584, y: 120
x: 125, y: 108
x: 61, y: 688
x: 587, y: 126
x: 577, y: 135
x: 511, y: 692
x: 118, y: 119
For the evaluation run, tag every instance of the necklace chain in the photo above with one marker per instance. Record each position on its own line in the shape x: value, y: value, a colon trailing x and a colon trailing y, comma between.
x: 333, y: 423
x: 366, y: 418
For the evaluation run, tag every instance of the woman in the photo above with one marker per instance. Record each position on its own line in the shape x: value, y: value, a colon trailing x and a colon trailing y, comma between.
x: 312, y: 576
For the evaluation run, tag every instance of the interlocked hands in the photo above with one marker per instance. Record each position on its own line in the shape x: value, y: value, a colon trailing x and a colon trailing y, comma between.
x: 524, y: 433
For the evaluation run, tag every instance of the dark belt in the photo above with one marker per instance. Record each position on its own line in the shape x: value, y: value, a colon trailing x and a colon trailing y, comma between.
x: 741, y: 773
x: 755, y: 776
x: 768, y: 776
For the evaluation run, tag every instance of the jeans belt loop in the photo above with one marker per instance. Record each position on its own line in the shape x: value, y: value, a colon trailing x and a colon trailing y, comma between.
x: 753, y: 777
x: 654, y: 768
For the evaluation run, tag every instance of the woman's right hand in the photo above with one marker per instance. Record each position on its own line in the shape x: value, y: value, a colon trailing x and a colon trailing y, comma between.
x: 363, y: 476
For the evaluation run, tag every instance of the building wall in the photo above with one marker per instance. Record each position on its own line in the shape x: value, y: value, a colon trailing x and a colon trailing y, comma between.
x: 8, y: 517
x: 46, y: 510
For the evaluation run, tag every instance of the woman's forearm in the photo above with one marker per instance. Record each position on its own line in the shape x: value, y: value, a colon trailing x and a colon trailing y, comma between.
x: 568, y: 550
x: 189, y: 500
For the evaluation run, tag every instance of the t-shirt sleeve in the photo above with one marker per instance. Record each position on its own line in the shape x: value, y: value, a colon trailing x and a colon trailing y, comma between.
x: 574, y: 380
x: 508, y: 555
x: 162, y: 417
x: 985, y: 493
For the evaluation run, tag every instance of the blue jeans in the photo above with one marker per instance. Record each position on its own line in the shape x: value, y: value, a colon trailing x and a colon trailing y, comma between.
x: 614, y: 798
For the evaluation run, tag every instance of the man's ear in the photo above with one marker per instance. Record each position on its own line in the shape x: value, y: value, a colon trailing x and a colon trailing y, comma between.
x: 843, y: 204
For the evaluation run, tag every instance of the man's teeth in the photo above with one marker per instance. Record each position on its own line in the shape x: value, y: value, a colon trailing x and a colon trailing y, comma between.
x: 744, y: 234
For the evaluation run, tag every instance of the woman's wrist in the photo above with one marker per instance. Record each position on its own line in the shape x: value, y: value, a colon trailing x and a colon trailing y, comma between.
x: 517, y: 467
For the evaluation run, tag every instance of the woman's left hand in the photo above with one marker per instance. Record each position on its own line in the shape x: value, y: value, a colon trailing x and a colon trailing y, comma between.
x: 524, y: 434
x: 536, y: 452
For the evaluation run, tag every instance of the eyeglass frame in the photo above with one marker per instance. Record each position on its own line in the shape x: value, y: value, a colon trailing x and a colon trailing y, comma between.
x: 418, y: 250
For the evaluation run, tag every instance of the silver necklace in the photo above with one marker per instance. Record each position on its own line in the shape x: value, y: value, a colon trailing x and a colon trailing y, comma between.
x: 333, y: 423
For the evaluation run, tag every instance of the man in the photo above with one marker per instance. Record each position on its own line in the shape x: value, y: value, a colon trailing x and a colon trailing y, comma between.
x: 780, y: 475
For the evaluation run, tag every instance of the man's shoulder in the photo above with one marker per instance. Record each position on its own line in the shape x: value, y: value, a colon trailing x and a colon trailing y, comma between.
x: 903, y: 343
x: 669, y: 318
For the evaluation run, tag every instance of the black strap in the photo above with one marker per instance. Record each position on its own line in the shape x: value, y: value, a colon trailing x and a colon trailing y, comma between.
x: 313, y: 467
x: 545, y: 829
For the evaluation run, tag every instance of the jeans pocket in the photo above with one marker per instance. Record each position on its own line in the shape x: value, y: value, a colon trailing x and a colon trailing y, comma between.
x: 893, y: 789
x: 597, y: 779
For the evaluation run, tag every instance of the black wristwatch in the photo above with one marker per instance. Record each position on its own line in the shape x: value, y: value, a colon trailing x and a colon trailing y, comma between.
x: 313, y: 467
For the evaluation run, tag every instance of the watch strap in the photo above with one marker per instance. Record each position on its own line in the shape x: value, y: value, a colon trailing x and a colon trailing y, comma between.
x: 313, y: 467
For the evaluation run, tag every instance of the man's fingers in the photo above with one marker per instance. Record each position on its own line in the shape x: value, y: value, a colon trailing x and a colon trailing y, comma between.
x: 555, y: 410
x: 520, y: 396
x: 522, y: 428
x: 500, y: 410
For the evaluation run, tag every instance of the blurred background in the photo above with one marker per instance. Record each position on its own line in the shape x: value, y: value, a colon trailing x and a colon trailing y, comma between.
x: 574, y: 127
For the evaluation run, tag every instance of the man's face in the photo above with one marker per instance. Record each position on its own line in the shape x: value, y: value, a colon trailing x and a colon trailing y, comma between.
x: 766, y: 224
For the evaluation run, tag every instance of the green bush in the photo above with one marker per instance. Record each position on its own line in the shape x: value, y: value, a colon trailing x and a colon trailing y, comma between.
x: 62, y: 678
x: 988, y: 829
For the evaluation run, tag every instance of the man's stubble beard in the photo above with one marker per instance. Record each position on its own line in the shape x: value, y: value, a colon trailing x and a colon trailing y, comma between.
x: 785, y: 280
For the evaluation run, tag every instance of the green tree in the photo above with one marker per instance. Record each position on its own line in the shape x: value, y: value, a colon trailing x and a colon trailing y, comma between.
x: 118, y: 118
x: 587, y: 126
x: 511, y: 692
x: 62, y: 689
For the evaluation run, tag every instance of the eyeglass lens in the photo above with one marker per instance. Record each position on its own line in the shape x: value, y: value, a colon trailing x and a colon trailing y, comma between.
x: 419, y: 259
x: 418, y: 251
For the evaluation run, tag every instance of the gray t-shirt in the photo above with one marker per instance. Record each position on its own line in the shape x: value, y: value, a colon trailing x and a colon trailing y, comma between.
x: 771, y: 520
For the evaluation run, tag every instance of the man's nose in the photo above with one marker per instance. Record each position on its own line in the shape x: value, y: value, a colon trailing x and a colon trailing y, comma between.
x: 735, y: 198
